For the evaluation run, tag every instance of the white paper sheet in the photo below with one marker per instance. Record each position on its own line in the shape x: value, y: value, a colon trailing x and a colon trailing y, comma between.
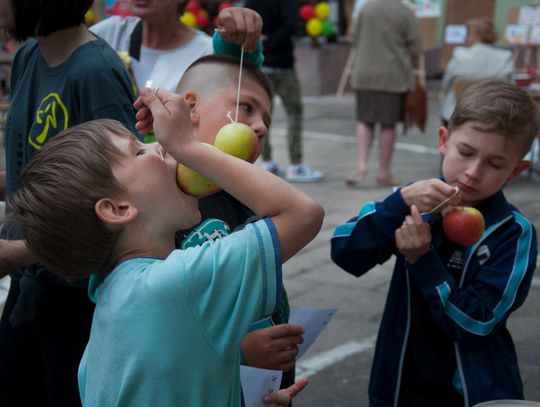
x: 313, y: 321
x: 256, y: 383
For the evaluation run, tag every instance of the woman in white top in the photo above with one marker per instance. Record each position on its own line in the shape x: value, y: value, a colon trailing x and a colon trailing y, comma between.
x: 161, y: 46
x: 479, y: 59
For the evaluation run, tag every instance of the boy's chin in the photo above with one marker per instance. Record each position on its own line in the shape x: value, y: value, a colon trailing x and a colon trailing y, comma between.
x: 472, y: 201
x: 195, y: 220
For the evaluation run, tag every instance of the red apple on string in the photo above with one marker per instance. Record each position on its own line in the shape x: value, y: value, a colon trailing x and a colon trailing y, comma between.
x: 463, y: 225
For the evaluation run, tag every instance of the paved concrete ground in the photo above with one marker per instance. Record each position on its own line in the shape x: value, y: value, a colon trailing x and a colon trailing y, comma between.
x: 339, y: 362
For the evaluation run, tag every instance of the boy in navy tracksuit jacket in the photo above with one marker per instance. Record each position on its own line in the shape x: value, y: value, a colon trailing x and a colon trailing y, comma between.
x: 443, y: 339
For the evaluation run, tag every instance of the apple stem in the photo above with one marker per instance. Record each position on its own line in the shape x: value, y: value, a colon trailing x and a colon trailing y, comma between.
x: 230, y: 117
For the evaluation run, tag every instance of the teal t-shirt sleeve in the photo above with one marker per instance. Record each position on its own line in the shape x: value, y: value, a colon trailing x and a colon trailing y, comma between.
x: 233, y: 282
x: 223, y: 47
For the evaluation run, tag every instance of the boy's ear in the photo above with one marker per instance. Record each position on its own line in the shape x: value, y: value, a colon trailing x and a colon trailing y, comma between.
x: 112, y: 212
x: 443, y: 138
x: 193, y: 99
x: 519, y: 168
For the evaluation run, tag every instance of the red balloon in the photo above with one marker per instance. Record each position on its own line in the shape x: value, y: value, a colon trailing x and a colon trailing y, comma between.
x: 193, y: 6
x: 307, y: 12
x: 224, y: 5
x: 202, y: 19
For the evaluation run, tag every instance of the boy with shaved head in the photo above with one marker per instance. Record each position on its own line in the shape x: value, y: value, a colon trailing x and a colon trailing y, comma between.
x: 209, y: 86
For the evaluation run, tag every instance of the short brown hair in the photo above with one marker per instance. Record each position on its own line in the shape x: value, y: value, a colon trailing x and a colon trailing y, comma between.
x: 55, y: 205
x: 484, y: 29
x: 498, y: 107
x: 191, y: 79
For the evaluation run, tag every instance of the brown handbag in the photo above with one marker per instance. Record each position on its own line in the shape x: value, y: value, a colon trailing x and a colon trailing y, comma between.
x: 415, y: 106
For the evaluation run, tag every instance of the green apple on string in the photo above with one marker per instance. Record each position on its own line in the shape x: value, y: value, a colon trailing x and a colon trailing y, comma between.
x: 234, y: 138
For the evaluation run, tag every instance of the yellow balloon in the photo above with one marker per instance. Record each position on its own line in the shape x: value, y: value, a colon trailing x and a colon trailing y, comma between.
x: 322, y: 10
x: 314, y: 27
x: 89, y: 17
x: 189, y: 18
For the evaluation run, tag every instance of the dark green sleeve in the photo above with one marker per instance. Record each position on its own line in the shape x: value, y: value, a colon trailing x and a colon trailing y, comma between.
x: 223, y: 47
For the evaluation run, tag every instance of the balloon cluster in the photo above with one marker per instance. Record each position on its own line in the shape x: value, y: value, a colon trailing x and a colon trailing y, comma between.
x: 316, y: 19
x: 197, y: 17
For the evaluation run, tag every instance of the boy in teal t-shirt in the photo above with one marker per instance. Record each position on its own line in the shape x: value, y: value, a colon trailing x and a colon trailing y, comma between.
x: 168, y: 323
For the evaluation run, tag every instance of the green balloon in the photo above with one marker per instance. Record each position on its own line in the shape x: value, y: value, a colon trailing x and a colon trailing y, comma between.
x: 327, y: 28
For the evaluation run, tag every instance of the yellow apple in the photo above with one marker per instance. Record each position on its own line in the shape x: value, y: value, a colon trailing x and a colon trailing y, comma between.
x: 193, y: 183
x: 237, y: 139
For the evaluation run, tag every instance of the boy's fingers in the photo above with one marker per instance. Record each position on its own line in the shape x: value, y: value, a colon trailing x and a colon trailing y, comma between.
x: 160, y: 102
x: 144, y: 127
x: 415, y: 214
x: 287, y: 343
x: 297, y: 387
x: 283, y: 397
x: 143, y: 114
x: 152, y: 101
x: 138, y: 104
x: 399, y: 237
x: 277, y: 399
x: 227, y: 20
x: 288, y: 355
x: 253, y: 32
x: 283, y: 330
x: 446, y: 189
x: 409, y: 220
x: 240, y: 28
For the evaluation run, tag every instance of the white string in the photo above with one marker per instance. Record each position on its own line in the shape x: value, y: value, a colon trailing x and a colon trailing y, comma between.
x: 221, y: 29
x: 239, y: 82
x: 443, y: 202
